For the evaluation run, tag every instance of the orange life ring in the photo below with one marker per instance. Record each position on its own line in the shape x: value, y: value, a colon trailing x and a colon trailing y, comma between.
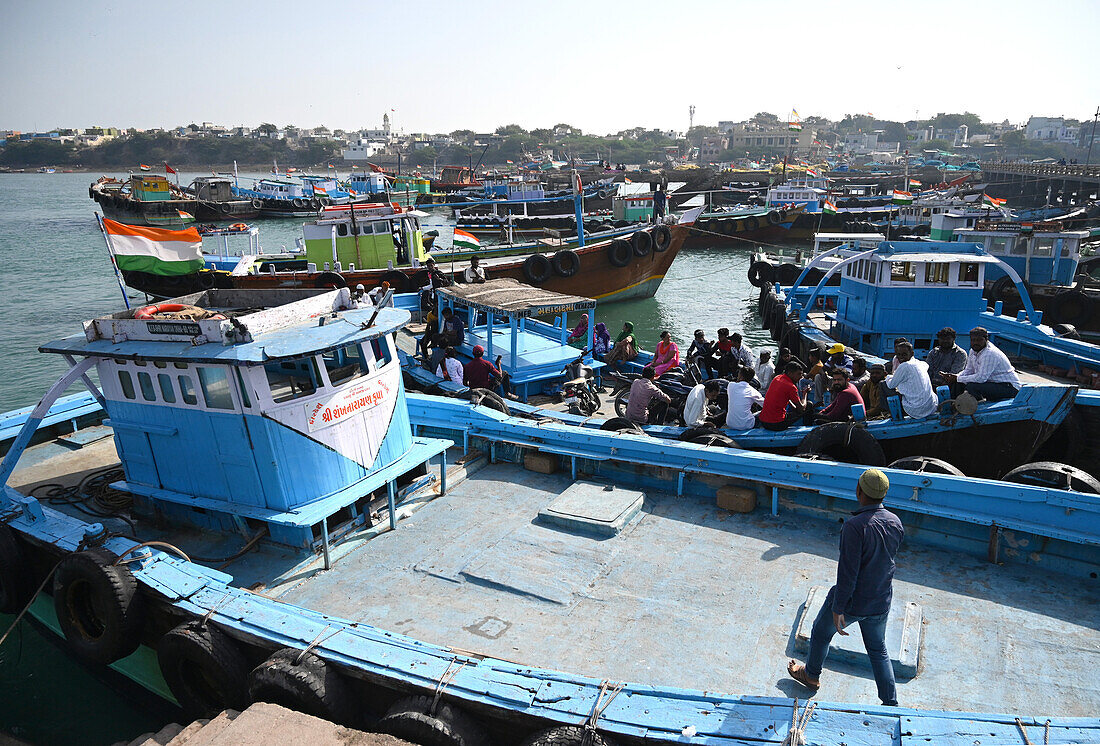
x: 148, y: 312
x: 238, y: 227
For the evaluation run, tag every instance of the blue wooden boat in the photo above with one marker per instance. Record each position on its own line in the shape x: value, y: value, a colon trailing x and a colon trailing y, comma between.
x: 303, y: 531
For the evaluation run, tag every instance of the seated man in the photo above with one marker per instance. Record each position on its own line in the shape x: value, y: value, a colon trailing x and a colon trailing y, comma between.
x: 475, y: 273
x: 742, y: 398
x: 377, y: 294
x: 722, y: 350
x: 701, y: 352
x: 988, y: 373
x: 453, y: 331
x: 871, y: 393
x: 435, y: 350
x: 695, y: 408
x: 642, y: 393
x: 945, y: 357
x: 910, y: 380
x: 844, y: 396
x: 479, y: 373
x: 783, y: 391
x: 741, y: 352
x: 765, y: 371
x: 838, y: 358
x: 451, y: 368
x: 860, y: 375
x: 436, y: 279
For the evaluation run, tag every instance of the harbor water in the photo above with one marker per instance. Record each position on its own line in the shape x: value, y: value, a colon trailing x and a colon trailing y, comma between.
x: 56, y: 274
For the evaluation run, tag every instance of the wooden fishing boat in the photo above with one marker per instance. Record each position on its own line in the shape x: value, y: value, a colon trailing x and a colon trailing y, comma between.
x: 145, y: 199
x: 742, y: 227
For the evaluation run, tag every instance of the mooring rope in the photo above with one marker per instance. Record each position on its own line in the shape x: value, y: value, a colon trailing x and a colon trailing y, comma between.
x: 796, y: 736
x: 598, y: 708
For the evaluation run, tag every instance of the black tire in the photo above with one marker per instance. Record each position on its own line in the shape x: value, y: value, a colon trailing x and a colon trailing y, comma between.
x: 774, y: 218
x: 1071, y: 307
x: 715, y: 439
x: 490, y: 399
x: 1054, y: 475
x: 298, y: 202
x: 537, y: 269
x: 622, y: 399
x: 619, y: 252
x: 15, y: 584
x: 751, y: 224
x: 204, y: 669
x: 588, y: 403
x: 603, y: 193
x: 257, y: 203
x: 843, y: 442
x: 641, y: 243
x: 566, y: 263
x: 1068, y: 331
x: 926, y: 464
x: 787, y: 273
x: 412, y: 719
x: 622, y: 425
x: 567, y: 735
x: 205, y: 280
x: 662, y: 238
x: 761, y: 272
x: 1004, y: 290
x: 399, y: 281
x: 99, y: 608
x: 330, y: 280
x: 778, y: 323
x: 315, y: 203
x: 313, y: 686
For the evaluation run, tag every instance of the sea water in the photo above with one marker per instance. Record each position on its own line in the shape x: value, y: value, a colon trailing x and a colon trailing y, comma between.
x: 55, y: 273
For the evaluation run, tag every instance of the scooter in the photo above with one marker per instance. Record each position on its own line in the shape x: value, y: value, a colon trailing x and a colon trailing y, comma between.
x: 579, y: 390
x: 676, y: 384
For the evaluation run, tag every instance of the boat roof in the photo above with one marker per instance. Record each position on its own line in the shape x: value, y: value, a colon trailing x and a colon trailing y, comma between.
x: 512, y: 298
x: 275, y: 332
x: 928, y: 251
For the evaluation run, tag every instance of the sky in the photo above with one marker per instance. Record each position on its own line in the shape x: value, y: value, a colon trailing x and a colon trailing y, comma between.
x: 600, y: 66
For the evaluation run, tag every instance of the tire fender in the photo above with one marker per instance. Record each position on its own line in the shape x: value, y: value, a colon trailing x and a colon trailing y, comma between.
x: 98, y: 605
x: 310, y: 685
x: 856, y: 440
x: 204, y: 669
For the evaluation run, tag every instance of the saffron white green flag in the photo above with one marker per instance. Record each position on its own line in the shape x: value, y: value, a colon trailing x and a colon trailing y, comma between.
x: 993, y: 202
x: 828, y: 207
x: 464, y: 240
x: 157, y: 251
x: 902, y: 198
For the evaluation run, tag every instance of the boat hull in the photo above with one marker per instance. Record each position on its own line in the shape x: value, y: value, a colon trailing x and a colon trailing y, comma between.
x: 123, y: 209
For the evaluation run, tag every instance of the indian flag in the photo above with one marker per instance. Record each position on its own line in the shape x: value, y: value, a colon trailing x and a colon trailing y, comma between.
x: 902, y: 198
x: 143, y: 167
x: 318, y: 189
x: 993, y: 202
x: 812, y: 172
x: 464, y: 240
x: 185, y: 216
x: 828, y: 207
x: 794, y: 123
x: 914, y: 183
x: 157, y: 251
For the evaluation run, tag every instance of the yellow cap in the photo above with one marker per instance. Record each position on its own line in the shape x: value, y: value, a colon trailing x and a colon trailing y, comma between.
x: 838, y: 347
x: 874, y: 483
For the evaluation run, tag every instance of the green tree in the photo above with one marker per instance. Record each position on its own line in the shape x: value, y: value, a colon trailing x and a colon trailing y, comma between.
x: 267, y: 128
x: 510, y: 129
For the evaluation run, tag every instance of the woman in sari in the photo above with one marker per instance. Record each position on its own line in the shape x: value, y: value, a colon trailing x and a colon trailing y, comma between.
x: 624, y: 349
x: 601, y: 341
x: 666, y: 357
x: 580, y: 332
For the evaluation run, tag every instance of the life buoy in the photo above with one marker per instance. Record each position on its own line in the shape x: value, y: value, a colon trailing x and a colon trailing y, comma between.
x: 1071, y: 307
x: 423, y: 720
x: 98, y: 606
x: 844, y: 442
x: 238, y: 227
x: 304, y: 682
x: 537, y: 269
x: 204, y: 669
x: 330, y: 280
x: 774, y: 218
x: 490, y: 399
x: 298, y: 202
x: 761, y: 272
x: 619, y: 253
x: 641, y: 243
x: 566, y: 263
x: 15, y: 585
x: 662, y: 238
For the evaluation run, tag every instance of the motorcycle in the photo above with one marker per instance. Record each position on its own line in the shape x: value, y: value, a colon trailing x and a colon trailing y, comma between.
x: 675, y: 383
x: 579, y: 390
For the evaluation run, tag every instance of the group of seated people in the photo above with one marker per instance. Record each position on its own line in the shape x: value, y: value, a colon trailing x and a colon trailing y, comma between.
x: 438, y: 353
x: 795, y: 395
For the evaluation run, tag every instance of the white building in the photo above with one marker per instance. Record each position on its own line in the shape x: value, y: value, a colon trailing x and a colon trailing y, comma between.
x: 363, y: 150
x: 1051, y: 129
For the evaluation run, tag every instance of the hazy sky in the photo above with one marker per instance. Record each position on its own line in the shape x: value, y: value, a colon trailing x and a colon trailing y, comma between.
x: 601, y: 66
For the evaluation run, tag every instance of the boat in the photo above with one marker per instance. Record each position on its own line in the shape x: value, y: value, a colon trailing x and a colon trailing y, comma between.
x: 146, y: 199
x: 738, y: 227
x: 286, y: 198
x: 368, y: 244
x: 398, y: 561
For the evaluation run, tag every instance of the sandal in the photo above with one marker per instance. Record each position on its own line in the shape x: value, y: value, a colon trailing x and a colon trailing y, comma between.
x: 797, y: 671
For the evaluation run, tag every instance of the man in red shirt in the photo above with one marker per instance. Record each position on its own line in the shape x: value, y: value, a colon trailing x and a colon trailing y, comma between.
x: 783, y: 391
x: 844, y: 396
x: 479, y: 373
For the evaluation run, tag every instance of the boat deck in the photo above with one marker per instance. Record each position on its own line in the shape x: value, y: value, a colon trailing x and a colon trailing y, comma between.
x: 687, y: 595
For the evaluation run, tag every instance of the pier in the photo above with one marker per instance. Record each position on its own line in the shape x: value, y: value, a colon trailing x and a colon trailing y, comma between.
x: 1072, y: 185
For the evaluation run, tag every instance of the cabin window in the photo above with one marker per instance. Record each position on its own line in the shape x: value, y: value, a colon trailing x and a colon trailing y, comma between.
x: 187, y: 390
x: 127, y: 384
x: 159, y: 364
x: 380, y: 227
x: 215, y: 388
x: 1018, y: 247
x: 181, y: 366
x: 381, y: 351
x: 166, y: 391
x: 146, y: 382
x: 1066, y: 246
x: 935, y: 273
x: 998, y: 245
x: 342, y: 229
x: 344, y: 363
x: 902, y: 272
x: 1043, y: 247
x: 874, y: 271
x: 245, y: 398
x: 292, y: 380
x: 968, y: 273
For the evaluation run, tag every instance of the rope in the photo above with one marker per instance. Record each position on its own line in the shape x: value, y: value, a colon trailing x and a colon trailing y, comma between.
x: 444, y: 681
x: 31, y: 601
x: 598, y: 708
x: 1023, y: 731
x: 796, y: 736
x: 161, y: 544
x: 316, y: 641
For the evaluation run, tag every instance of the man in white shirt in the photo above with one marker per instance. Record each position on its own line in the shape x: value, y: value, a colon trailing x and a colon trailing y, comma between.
x: 765, y: 371
x: 742, y: 396
x: 451, y: 367
x: 695, y: 408
x: 475, y: 273
x: 378, y: 294
x: 988, y: 373
x: 910, y: 380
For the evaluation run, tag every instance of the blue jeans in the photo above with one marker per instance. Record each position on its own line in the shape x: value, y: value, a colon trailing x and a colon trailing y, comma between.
x: 991, y: 391
x: 873, y: 629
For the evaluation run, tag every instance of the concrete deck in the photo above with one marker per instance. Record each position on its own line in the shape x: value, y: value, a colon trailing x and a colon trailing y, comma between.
x: 691, y: 596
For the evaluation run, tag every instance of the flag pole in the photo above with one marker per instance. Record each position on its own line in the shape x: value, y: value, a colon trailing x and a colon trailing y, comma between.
x: 114, y: 264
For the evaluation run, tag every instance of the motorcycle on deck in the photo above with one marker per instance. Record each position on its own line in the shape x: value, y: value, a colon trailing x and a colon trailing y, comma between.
x: 579, y: 390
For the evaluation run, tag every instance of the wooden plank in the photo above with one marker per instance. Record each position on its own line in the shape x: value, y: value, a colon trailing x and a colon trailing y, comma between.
x: 960, y: 731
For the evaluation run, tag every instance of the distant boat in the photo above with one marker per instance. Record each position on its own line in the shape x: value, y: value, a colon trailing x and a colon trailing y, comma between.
x: 47, y: 170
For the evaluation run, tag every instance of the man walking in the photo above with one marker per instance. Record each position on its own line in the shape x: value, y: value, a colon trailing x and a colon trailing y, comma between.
x: 864, y: 588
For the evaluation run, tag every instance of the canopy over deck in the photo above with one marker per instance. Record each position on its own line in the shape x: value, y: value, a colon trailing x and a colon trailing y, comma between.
x: 512, y: 299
